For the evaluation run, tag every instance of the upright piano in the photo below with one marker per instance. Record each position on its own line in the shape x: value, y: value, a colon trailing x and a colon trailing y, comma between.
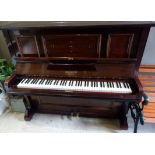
x: 85, y: 69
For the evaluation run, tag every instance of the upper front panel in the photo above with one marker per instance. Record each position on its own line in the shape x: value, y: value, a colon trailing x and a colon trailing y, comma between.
x: 27, y: 46
x: 114, y: 43
x: 77, y: 45
x: 119, y: 45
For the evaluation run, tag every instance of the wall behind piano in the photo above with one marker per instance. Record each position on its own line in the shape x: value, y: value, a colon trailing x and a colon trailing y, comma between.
x: 149, y: 53
x: 4, y: 51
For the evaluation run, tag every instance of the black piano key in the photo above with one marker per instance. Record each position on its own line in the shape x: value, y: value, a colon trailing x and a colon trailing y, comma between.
x: 32, y: 81
x: 50, y: 82
x: 41, y: 82
x: 64, y: 82
x: 87, y: 83
x: 117, y: 84
x: 26, y: 80
x: 78, y: 83
x: 22, y: 80
x: 57, y: 82
x: 108, y: 84
x: 71, y: 83
x: 120, y: 85
x: 124, y: 84
x: 112, y: 84
x: 36, y: 81
x: 46, y: 82
x: 128, y: 85
x: 54, y: 82
x: 61, y: 83
x: 29, y: 81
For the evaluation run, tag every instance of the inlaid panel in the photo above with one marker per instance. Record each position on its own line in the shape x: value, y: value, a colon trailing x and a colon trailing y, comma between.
x: 119, y: 45
x: 27, y: 46
x: 77, y: 45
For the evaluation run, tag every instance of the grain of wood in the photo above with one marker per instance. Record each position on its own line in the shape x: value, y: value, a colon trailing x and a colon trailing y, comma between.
x: 147, y: 77
x: 148, y: 82
x: 149, y: 89
x: 144, y: 70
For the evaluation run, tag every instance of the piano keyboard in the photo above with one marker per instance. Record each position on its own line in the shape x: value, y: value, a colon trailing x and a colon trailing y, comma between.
x: 74, y: 85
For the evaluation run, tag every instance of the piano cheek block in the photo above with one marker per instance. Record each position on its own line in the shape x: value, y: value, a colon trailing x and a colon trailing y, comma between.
x: 80, y: 69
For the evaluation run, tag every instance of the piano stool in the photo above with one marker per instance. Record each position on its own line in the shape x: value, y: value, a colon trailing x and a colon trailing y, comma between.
x: 147, y: 77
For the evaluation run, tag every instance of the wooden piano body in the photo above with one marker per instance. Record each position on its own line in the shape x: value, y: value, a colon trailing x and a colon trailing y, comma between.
x: 108, y: 51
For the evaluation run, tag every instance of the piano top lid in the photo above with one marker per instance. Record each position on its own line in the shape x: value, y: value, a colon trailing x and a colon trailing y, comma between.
x: 41, y: 24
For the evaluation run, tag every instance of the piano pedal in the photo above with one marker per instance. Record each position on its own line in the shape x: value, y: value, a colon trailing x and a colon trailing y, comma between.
x: 70, y: 116
x: 77, y: 115
x: 62, y: 116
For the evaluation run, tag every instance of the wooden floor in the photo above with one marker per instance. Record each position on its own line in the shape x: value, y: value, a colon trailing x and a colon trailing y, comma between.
x: 147, y: 77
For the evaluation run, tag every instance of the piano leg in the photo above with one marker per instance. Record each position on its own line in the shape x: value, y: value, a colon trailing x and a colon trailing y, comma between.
x: 122, y: 117
x: 29, y: 110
